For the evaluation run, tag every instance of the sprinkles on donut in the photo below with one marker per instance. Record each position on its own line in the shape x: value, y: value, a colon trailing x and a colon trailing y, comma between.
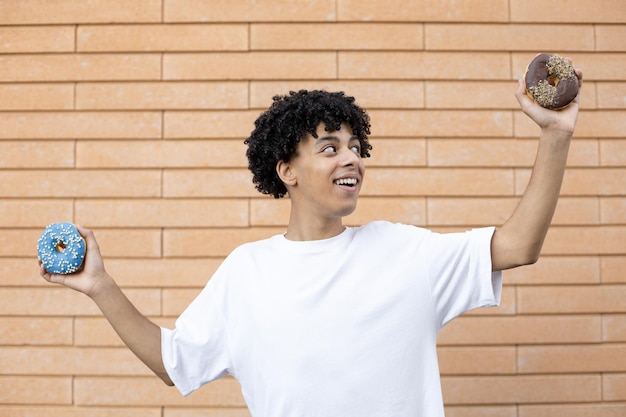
x: 551, y: 81
x: 61, y: 248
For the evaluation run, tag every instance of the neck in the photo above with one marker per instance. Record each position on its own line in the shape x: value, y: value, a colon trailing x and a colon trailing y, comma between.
x: 313, y: 229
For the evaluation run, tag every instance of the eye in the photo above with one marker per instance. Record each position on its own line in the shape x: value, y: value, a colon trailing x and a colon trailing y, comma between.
x: 329, y: 149
x: 356, y: 149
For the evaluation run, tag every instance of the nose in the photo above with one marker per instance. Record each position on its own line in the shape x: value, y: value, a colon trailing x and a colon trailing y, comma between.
x: 350, y: 157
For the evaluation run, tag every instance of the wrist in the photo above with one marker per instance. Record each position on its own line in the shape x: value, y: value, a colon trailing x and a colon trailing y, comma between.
x: 103, y: 287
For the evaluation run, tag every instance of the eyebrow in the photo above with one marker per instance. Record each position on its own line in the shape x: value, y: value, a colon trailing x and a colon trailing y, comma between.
x: 333, y: 138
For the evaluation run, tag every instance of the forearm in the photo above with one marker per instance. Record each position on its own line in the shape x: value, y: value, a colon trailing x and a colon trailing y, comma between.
x: 521, y: 237
x: 142, y: 336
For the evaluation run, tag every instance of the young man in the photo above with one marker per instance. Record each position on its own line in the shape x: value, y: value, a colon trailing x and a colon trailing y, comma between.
x: 326, y: 320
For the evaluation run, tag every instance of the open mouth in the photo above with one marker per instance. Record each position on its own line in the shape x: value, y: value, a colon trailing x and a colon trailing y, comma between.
x: 347, y: 182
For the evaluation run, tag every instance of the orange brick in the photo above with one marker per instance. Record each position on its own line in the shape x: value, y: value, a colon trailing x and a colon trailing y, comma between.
x: 604, y: 124
x: 507, y: 305
x: 445, y: 123
x: 161, y: 95
x: 271, y: 212
x: 209, y: 124
x: 74, y: 183
x: 96, y: 331
x: 33, y: 213
x: 213, y: 412
x: 577, y: 211
x: 36, y: 97
x: 581, y: 182
x: 498, y: 37
x: 471, y: 95
x: 437, y: 182
x: 599, y: 240
x: 576, y: 410
x: 73, y: 411
x: 18, y: 331
x: 563, y: 11
x: 162, y: 213
x: 249, y: 65
x: 608, y: 36
x: 175, y: 301
x: 242, y: 10
x: 614, y: 387
x: 24, y: 271
x: 557, y: 270
x: 145, y: 391
x: 129, y: 243
x: 522, y: 389
x: 336, y: 36
x: 605, y: 240
x: 83, y: 125
x: 427, y: 10
x: 389, y: 152
x: 369, y: 94
x: 572, y: 359
x: 424, y: 65
x: 479, y: 411
x: 36, y: 39
x: 36, y: 154
x: 211, y: 242
x: 614, y: 328
x: 469, y: 211
x: 71, y: 361
x: 208, y: 183
x: 54, y: 300
x: 613, y: 153
x: 613, y: 210
x: 31, y: 390
x: 571, y: 299
x: 597, y: 67
x: 20, y: 243
x: 612, y: 268
x: 480, y: 152
x: 121, y: 38
x: 584, y: 152
x: 80, y: 67
x: 162, y: 273
x: 213, y: 153
x: 401, y: 210
x: 522, y: 330
x: 611, y: 95
x: 67, y: 11
x: 476, y: 360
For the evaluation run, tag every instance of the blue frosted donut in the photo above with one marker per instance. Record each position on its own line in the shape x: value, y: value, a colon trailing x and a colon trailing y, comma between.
x: 61, y: 249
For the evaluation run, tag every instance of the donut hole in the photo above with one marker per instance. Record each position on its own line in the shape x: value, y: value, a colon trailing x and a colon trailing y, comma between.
x: 553, y: 80
x: 60, y: 247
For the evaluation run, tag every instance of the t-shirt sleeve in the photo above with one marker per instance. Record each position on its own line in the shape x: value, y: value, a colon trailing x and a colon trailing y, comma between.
x: 196, y: 351
x: 460, y: 272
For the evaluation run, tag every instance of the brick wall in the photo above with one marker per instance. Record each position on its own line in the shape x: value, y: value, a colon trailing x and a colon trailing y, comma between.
x: 128, y: 117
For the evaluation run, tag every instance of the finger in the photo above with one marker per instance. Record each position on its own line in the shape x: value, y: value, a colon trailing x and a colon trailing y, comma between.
x: 90, y: 238
x: 520, y: 93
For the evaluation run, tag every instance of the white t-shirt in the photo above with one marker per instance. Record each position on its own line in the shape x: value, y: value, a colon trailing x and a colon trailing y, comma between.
x: 345, y: 326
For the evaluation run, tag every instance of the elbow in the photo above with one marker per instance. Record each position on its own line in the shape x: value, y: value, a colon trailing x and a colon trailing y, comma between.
x: 531, y: 256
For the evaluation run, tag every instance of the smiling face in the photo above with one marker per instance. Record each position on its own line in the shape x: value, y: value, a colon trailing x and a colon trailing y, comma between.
x: 325, y: 175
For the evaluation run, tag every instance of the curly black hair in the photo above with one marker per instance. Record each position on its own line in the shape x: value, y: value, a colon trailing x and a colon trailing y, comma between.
x: 288, y: 120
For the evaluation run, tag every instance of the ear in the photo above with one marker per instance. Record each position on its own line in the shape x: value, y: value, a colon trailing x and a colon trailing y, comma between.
x: 285, y: 173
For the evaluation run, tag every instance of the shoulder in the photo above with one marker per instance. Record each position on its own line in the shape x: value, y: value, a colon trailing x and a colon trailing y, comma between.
x: 386, y: 230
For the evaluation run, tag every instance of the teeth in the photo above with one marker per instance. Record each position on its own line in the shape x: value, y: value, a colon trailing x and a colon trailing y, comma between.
x: 346, y: 181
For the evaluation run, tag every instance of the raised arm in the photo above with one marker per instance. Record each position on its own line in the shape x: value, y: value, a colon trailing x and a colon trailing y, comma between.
x: 519, y: 240
x: 138, y: 333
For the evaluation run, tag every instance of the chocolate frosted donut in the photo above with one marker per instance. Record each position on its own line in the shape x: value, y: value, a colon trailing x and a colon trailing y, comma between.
x: 551, y: 81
